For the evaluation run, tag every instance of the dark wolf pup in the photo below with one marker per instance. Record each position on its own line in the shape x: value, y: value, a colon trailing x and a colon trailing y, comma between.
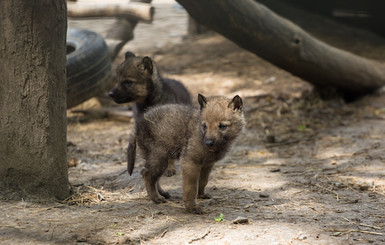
x: 139, y: 81
x: 198, y: 138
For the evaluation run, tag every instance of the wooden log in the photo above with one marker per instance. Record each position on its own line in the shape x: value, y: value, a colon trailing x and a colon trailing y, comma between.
x: 355, y: 40
x: 256, y: 28
x: 135, y: 11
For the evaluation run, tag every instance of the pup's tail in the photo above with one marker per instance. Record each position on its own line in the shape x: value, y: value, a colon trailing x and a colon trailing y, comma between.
x: 131, y: 152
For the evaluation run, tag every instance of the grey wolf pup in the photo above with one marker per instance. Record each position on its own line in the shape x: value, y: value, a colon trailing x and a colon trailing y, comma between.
x: 139, y: 81
x: 198, y: 137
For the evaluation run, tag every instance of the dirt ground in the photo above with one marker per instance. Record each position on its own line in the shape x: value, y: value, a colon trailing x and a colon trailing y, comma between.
x: 304, y: 171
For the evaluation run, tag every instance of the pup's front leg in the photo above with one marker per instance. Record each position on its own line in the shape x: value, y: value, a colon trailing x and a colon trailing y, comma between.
x: 191, y: 172
x: 203, y: 179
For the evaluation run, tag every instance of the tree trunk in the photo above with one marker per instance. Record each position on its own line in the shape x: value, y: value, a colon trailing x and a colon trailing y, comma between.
x: 254, y: 27
x: 32, y: 99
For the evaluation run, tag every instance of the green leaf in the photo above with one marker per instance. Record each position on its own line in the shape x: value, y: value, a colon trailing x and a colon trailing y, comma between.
x: 301, y: 127
x: 120, y: 233
x: 220, y: 218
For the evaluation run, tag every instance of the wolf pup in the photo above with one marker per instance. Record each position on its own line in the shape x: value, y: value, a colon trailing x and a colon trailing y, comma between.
x: 139, y: 81
x: 198, y: 138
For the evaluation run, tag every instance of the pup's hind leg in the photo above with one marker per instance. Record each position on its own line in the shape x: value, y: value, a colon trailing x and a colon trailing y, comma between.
x: 171, y: 170
x: 151, y: 173
x: 150, y: 182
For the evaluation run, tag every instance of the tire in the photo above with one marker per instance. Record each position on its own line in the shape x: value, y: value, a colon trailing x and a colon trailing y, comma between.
x: 88, y: 65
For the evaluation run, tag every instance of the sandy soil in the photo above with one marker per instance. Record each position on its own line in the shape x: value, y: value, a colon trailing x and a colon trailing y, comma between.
x: 304, y: 171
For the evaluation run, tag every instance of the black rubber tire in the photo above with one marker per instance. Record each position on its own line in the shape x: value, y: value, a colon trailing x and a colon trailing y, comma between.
x: 88, y: 65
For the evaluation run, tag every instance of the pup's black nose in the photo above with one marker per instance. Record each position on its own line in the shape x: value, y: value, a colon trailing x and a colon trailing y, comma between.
x: 111, y: 94
x: 209, y: 142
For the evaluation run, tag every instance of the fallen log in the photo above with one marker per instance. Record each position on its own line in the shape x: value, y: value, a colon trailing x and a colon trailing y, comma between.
x: 256, y: 28
x: 355, y: 40
x: 135, y: 11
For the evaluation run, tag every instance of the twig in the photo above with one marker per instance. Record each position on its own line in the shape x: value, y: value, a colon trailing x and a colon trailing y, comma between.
x: 360, y: 231
x: 13, y: 226
x: 132, y: 188
x: 49, y: 208
x: 163, y: 233
x: 370, y: 232
x: 362, y: 224
x: 199, y: 238
x: 123, y: 172
x: 371, y: 226
x: 326, y: 189
x: 348, y: 220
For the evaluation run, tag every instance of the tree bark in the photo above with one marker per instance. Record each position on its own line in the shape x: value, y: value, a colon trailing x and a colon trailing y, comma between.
x: 32, y: 99
x: 254, y: 27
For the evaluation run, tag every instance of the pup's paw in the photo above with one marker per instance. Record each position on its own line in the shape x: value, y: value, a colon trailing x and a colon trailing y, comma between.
x: 159, y: 200
x: 195, y: 210
x: 170, y: 172
x: 165, y: 194
x: 204, y: 196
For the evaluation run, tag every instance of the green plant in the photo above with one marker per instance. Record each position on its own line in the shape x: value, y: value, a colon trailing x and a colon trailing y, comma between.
x: 220, y: 218
x: 301, y: 127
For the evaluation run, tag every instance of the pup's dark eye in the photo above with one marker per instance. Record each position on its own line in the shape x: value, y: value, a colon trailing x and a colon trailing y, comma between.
x: 222, y: 126
x: 204, y: 127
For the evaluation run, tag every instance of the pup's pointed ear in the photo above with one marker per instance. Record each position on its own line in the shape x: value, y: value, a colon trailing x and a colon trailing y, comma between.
x: 147, y: 64
x: 202, y: 101
x: 129, y: 55
x: 236, y: 104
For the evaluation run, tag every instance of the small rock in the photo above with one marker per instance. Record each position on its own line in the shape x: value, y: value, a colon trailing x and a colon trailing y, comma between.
x: 249, y: 205
x: 241, y: 220
x: 270, y: 80
x: 81, y: 239
x: 263, y: 195
x: 274, y: 170
x: 337, y: 184
x: 302, y: 237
